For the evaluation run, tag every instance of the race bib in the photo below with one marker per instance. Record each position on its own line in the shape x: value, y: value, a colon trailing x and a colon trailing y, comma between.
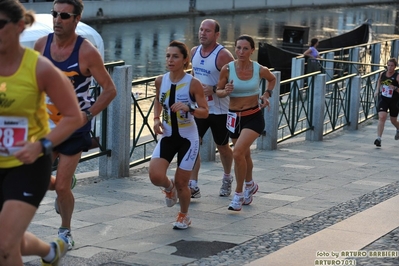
x: 12, y: 130
x: 210, y: 100
x: 386, y: 91
x: 231, y: 121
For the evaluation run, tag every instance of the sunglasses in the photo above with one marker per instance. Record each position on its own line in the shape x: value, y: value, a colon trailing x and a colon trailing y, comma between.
x: 4, y: 22
x: 63, y: 15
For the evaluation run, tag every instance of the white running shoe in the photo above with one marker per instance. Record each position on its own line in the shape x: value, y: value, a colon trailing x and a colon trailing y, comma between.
x: 249, y: 192
x: 182, y: 221
x: 236, y: 203
x: 171, y: 196
x: 225, y: 190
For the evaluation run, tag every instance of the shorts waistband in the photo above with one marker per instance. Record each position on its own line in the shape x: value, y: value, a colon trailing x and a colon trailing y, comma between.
x: 246, y: 112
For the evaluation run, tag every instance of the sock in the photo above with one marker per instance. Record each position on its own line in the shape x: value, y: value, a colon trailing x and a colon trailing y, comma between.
x: 169, y: 189
x: 249, y: 184
x: 193, y: 183
x: 63, y: 229
x: 226, y: 176
x: 241, y: 194
x: 379, y: 138
x: 51, y: 255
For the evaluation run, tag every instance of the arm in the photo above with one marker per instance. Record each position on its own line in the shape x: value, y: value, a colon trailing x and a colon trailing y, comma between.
x: 94, y: 65
x: 378, y: 85
x: 64, y: 97
x: 221, y: 91
x: 198, y: 92
x: 192, y: 52
x: 157, y: 107
x: 308, y: 53
x: 271, y: 83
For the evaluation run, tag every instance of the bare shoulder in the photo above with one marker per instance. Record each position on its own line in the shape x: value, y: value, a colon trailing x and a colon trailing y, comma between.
x: 40, y: 44
x: 193, y: 50
x: 89, y: 49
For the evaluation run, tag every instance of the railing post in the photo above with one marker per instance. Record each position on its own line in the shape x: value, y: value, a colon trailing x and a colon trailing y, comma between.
x: 208, y: 147
x: 376, y: 57
x: 354, y: 102
x: 329, y: 66
x: 319, y: 92
x: 395, y: 49
x: 354, y: 58
x: 118, y: 128
x: 271, y: 116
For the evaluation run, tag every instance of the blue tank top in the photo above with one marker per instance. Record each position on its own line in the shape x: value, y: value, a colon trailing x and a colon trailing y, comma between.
x: 80, y: 82
x: 245, y: 88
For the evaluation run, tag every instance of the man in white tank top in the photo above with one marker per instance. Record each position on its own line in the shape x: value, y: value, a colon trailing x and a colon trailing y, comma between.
x: 207, y: 60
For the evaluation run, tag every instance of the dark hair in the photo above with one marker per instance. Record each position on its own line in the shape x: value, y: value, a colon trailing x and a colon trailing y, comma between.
x: 393, y: 60
x: 15, y: 11
x: 246, y: 38
x: 77, y: 5
x: 313, y: 41
x: 183, y: 49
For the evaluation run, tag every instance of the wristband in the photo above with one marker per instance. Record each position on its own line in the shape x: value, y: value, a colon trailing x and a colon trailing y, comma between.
x: 270, y: 92
x: 214, y: 89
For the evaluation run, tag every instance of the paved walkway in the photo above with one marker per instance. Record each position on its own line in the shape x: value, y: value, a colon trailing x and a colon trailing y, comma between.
x: 124, y: 221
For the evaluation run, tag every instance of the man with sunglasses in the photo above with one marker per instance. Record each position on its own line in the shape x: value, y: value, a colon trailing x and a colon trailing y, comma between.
x: 80, y: 61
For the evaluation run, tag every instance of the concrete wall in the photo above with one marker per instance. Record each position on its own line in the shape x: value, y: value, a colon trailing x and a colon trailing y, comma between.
x: 136, y: 9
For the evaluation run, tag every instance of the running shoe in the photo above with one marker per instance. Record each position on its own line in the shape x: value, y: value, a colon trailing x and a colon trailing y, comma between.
x: 225, y: 190
x: 397, y: 135
x: 182, y: 221
x: 66, y: 234
x: 171, y: 196
x: 377, y: 142
x: 236, y: 203
x: 73, y: 184
x: 61, y: 247
x: 249, y: 192
x: 195, y: 192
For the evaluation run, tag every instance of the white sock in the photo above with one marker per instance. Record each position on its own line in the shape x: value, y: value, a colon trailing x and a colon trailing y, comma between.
x: 249, y: 184
x: 170, y: 187
x: 226, y: 176
x: 51, y: 255
x: 193, y: 183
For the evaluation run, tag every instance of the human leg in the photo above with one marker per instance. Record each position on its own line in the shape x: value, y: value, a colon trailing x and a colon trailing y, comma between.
x: 157, y: 173
x: 183, y: 191
x: 221, y: 138
x: 382, y: 116
x: 65, y: 199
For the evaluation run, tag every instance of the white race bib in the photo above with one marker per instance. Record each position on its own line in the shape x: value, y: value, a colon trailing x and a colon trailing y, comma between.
x: 231, y: 121
x: 386, y: 91
x: 210, y: 100
x: 12, y: 130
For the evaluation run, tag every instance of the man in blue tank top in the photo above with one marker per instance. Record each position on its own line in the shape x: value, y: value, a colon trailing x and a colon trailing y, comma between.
x: 207, y: 59
x: 80, y: 61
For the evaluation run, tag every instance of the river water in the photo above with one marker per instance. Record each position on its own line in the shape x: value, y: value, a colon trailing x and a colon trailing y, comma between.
x: 142, y: 44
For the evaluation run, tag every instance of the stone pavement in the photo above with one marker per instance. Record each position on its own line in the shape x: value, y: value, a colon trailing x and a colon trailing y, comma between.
x: 343, y: 188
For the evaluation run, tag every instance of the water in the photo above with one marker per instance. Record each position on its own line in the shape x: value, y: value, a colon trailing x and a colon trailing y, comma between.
x: 142, y: 44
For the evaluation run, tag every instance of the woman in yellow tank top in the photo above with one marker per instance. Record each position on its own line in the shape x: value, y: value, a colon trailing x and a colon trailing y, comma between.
x: 25, y: 138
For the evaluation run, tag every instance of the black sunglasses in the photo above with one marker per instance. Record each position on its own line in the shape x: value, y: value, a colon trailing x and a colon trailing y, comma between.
x: 4, y: 22
x: 63, y: 15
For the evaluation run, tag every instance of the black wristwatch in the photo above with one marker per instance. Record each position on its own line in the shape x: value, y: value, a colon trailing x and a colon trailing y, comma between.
x: 214, y: 89
x: 47, y: 146
x: 89, y: 115
x: 190, y: 108
x: 270, y: 92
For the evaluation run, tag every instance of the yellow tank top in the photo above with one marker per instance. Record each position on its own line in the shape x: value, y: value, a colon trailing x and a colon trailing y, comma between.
x: 21, y: 100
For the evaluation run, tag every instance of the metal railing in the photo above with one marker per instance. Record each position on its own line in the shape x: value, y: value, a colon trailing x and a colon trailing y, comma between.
x: 295, y: 107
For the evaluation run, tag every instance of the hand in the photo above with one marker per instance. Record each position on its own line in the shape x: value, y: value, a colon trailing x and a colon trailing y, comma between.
x: 158, y: 126
x: 229, y: 87
x: 208, y: 90
x: 29, y: 151
x: 265, y: 102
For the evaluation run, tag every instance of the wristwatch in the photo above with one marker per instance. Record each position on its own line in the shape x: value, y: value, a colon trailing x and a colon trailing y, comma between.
x: 89, y: 115
x: 270, y: 92
x: 190, y: 108
x: 47, y: 146
x: 214, y: 89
